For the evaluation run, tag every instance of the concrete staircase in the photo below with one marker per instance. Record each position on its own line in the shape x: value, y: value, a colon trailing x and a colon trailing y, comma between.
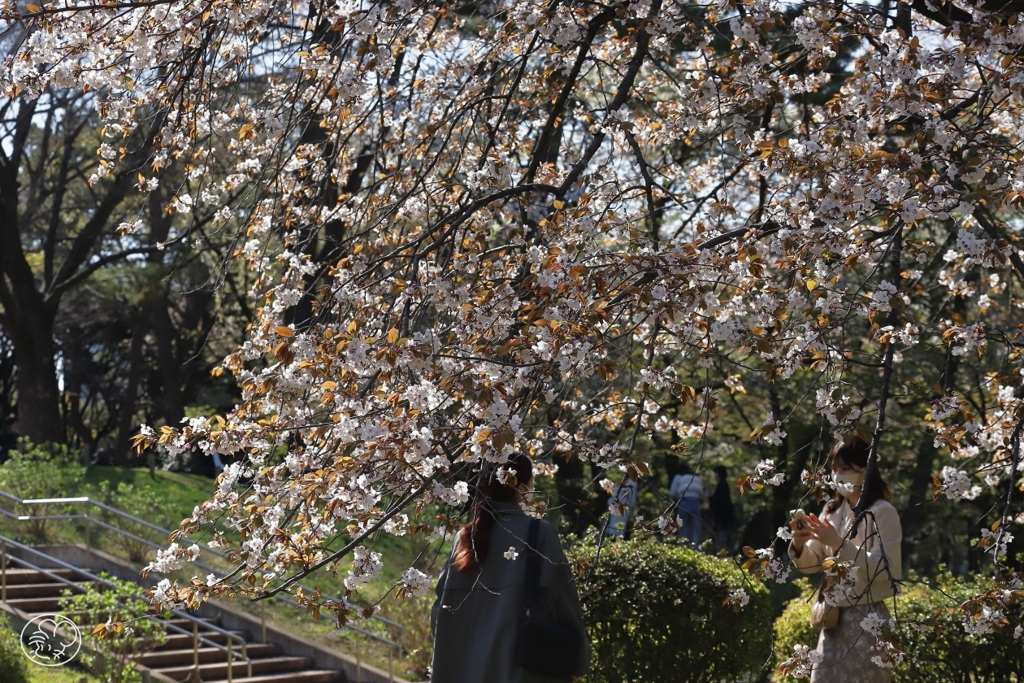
x: 32, y: 592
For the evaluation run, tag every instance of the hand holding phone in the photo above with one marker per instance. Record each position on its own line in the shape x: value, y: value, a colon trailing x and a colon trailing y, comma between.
x: 801, y: 532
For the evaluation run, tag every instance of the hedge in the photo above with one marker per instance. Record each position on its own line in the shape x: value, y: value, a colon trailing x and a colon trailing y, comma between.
x: 931, y: 634
x: 655, y: 613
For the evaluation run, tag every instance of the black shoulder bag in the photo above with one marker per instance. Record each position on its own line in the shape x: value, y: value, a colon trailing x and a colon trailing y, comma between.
x: 542, y: 646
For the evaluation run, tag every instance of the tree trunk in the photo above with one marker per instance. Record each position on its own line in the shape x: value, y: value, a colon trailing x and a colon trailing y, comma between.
x: 125, y: 427
x: 912, y: 516
x: 38, y: 393
x: 170, y: 369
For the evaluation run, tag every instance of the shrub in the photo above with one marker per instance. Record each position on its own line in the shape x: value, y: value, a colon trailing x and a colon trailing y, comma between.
x: 655, y: 612
x: 46, y: 471
x: 13, y: 663
x: 931, y: 634
x: 127, y: 632
x: 937, y: 647
x: 414, y: 614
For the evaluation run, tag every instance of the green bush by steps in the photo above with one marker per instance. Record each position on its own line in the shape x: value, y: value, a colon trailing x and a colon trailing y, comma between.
x: 133, y: 630
x: 929, y: 624
x: 13, y: 662
x: 654, y: 612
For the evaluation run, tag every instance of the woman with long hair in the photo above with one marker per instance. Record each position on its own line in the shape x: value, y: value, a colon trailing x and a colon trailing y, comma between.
x: 480, y: 593
x: 858, y: 590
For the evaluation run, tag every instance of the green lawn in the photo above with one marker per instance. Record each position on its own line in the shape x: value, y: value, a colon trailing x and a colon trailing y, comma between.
x: 60, y: 674
x: 180, y: 491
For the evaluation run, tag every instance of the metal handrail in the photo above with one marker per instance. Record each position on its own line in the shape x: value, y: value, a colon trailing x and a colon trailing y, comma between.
x: 186, y: 539
x: 92, y: 577
x: 98, y: 522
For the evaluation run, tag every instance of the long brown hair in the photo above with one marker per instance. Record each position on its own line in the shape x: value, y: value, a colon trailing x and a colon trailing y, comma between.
x: 855, y: 452
x: 475, y: 539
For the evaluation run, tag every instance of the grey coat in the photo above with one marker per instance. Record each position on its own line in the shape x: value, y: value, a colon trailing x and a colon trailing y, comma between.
x: 476, y: 613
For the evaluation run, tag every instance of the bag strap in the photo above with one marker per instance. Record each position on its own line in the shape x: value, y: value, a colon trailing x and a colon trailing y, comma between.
x: 823, y: 585
x: 530, y: 590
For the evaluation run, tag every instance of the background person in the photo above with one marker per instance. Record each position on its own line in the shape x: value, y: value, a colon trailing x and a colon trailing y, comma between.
x: 687, y: 490
x: 723, y: 514
x: 8, y: 436
x: 875, y: 550
x: 621, y: 507
x: 480, y: 591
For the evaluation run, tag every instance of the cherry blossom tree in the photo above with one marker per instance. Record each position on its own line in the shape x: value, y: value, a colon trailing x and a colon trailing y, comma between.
x: 473, y: 216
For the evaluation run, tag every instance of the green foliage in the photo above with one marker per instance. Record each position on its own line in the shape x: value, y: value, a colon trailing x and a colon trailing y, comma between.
x: 13, y: 663
x: 793, y: 627
x: 43, y: 471
x: 931, y: 634
x: 654, y: 610
x: 414, y: 615
x: 116, y: 625
x: 938, y: 649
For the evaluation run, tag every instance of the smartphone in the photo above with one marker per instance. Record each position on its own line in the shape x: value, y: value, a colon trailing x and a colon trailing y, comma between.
x: 800, y: 517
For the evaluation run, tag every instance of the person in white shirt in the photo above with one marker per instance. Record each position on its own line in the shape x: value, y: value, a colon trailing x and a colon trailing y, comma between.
x: 687, y: 490
x: 846, y: 650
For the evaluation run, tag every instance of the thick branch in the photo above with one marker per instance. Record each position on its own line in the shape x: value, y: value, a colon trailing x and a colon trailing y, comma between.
x: 648, y: 186
x: 543, y: 140
x: 883, y: 399
x: 84, y: 273
x: 994, y: 232
x: 333, y: 557
x: 643, y: 39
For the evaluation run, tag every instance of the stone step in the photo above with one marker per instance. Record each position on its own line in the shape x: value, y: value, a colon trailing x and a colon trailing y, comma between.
x: 207, y: 654
x: 36, y: 590
x: 36, y: 605
x: 309, y: 676
x: 260, y: 667
x: 181, y: 641
x: 18, y: 575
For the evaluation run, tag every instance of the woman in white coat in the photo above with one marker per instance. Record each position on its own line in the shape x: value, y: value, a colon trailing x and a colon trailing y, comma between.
x: 847, y: 650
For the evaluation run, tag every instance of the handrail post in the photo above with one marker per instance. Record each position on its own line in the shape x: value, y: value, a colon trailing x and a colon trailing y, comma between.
x: 391, y: 665
x: 3, y: 571
x: 359, y: 660
x: 230, y: 667
x: 195, y: 644
x: 263, y: 621
x: 248, y: 662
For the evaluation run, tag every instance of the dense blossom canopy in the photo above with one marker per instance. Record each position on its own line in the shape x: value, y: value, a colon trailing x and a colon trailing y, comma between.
x: 465, y: 216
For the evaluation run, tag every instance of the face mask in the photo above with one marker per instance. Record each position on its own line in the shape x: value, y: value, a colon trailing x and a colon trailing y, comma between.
x: 849, y: 480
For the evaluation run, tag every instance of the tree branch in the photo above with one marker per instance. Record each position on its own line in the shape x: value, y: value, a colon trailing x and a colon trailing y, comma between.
x: 883, y: 399
x: 84, y: 273
x: 621, y: 95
